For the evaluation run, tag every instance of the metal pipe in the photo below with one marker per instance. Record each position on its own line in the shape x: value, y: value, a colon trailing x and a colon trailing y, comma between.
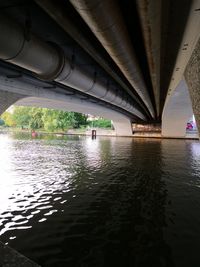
x: 47, y: 62
x: 79, y: 79
x: 104, y: 19
x: 44, y: 60
x: 56, y: 11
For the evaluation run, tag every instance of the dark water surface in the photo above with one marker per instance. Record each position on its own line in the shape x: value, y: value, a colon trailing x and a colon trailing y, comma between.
x: 73, y: 201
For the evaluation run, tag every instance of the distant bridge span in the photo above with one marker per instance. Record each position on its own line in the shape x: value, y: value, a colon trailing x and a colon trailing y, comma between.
x: 21, y: 93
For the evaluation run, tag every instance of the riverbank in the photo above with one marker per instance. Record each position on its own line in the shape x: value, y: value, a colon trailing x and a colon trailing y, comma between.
x: 105, y: 132
x: 88, y: 132
x: 189, y: 135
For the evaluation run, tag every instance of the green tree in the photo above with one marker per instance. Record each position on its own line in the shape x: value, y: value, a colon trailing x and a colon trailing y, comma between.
x: 22, y: 116
x: 8, y: 119
x: 49, y: 119
x: 56, y: 119
x: 101, y: 123
x: 36, y: 121
x: 81, y: 119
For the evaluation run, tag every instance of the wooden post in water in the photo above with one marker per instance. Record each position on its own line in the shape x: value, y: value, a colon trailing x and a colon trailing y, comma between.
x: 94, y: 134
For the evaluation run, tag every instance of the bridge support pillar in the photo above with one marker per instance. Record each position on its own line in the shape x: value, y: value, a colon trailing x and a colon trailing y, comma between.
x: 176, y: 113
x: 192, y: 77
x: 7, y: 99
x: 123, y: 127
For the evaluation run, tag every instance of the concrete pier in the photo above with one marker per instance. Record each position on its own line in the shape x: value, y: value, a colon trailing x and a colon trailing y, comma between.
x: 192, y: 77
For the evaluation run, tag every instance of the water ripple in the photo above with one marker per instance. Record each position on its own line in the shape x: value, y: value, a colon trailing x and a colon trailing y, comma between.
x: 105, y: 202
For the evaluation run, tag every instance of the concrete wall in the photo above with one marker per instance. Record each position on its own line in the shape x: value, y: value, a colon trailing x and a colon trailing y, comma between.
x: 177, y: 111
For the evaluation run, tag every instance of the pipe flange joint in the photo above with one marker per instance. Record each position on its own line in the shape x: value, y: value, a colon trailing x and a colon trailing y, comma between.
x: 52, y: 76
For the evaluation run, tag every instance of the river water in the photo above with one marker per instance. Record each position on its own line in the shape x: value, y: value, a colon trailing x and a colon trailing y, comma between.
x: 74, y: 201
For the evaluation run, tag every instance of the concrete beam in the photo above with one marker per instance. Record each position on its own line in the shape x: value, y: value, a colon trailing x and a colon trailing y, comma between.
x: 176, y: 113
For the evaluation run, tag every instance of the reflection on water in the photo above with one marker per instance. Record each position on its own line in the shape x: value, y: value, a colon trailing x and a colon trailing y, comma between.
x: 74, y: 201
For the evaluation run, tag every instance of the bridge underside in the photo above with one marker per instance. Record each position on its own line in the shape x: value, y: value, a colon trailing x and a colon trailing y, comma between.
x: 139, y: 64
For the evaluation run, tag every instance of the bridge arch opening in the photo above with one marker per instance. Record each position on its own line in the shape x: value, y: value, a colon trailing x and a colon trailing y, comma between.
x: 121, y: 123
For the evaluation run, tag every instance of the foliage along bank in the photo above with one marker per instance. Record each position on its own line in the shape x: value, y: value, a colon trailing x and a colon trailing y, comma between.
x: 49, y: 119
